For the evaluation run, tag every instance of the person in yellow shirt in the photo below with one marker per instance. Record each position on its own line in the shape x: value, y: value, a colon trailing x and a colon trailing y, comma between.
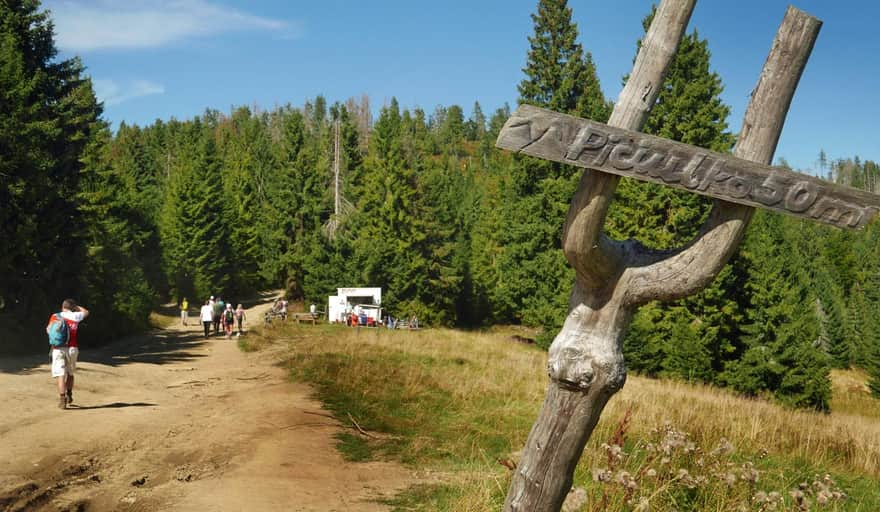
x: 184, y: 311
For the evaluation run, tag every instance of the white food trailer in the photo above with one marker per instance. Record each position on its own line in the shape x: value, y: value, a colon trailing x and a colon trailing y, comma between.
x: 367, y: 301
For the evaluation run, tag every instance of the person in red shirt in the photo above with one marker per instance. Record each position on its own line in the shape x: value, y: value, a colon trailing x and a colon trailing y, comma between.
x: 64, y: 358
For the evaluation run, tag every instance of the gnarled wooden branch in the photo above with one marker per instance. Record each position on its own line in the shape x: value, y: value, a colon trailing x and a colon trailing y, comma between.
x: 692, y: 268
x: 595, y: 258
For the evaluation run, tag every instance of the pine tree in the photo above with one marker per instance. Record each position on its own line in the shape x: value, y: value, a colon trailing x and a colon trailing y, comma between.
x: 116, y: 237
x: 829, y: 308
x: 872, y: 329
x: 314, y: 171
x: 195, y: 229
x: 283, y: 195
x: 831, y: 275
x: 533, y: 278
x: 140, y: 179
x: 212, y: 257
x: 416, y: 140
x: 383, y: 228
x: 857, y: 333
x: 476, y: 124
x: 559, y: 75
x: 178, y: 219
x: 247, y: 162
x: 868, y: 280
x: 487, y: 144
x: 452, y: 132
x: 486, y: 304
x: 822, y: 163
x: 872, y: 361
x: 783, y: 354
x: 48, y: 114
x: 438, y: 207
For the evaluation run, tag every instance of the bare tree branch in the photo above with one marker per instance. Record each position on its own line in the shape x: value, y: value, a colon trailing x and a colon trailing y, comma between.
x: 657, y: 276
x: 595, y: 258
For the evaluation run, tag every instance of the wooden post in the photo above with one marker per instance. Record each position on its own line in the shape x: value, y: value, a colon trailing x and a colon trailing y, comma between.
x: 613, y: 278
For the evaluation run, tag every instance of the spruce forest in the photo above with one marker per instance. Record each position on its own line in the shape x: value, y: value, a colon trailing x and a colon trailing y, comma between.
x: 452, y: 229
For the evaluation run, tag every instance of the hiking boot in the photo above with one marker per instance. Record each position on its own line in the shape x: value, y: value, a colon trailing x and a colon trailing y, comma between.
x: 62, y: 402
x: 69, y: 397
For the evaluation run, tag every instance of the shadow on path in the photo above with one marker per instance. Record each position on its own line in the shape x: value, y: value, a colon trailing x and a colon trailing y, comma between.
x: 155, y: 347
x: 114, y: 405
x: 160, y: 346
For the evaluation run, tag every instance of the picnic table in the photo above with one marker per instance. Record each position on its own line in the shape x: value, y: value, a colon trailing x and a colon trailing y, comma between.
x: 306, y: 317
x: 271, y: 315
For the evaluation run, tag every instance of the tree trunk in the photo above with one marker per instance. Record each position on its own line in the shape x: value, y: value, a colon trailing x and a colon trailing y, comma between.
x: 586, y: 365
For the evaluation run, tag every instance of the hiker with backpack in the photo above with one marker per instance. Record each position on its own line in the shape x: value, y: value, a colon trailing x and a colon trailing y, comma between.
x: 282, y: 309
x: 219, y: 307
x: 62, y: 330
x: 240, y: 317
x: 228, y: 321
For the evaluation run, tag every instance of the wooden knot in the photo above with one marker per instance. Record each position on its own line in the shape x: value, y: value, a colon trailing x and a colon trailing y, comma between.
x: 571, y: 369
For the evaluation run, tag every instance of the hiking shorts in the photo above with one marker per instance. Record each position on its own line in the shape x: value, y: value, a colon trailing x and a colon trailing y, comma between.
x: 64, y: 361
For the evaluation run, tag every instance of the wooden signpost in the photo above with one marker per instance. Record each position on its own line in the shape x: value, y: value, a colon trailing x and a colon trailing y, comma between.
x: 613, y: 278
x: 570, y: 140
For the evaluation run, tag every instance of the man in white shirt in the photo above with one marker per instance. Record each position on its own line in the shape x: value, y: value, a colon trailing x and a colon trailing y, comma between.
x: 64, y: 356
x: 206, y: 315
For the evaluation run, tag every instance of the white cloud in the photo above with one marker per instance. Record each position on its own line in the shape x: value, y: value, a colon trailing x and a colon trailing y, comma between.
x: 112, y: 93
x: 84, y: 25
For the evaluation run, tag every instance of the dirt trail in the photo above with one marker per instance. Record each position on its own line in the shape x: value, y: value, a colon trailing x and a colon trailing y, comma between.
x: 171, y: 421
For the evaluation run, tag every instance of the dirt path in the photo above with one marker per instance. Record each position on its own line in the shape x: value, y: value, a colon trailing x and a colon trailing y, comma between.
x: 172, y: 421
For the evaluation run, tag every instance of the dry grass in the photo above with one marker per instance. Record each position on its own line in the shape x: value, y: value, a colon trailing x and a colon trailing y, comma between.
x: 851, y: 395
x: 845, y: 440
x: 460, y: 401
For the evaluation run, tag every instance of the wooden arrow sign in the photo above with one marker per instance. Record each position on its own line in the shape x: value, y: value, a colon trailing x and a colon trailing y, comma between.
x: 585, y: 143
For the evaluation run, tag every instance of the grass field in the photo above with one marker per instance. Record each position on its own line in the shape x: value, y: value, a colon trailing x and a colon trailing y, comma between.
x: 460, y: 405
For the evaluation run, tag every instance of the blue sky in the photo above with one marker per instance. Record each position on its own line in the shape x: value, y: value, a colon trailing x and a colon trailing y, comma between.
x: 157, y: 59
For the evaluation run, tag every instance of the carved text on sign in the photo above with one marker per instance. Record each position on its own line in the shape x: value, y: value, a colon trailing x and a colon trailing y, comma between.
x: 593, y: 145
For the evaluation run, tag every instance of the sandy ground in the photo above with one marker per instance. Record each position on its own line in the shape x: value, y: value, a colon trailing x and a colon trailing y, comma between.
x: 172, y: 421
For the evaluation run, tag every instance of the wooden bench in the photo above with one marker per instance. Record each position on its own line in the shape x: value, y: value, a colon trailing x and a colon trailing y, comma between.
x: 305, y: 317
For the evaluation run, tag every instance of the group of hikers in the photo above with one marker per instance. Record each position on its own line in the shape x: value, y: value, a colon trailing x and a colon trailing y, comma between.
x: 64, y: 325
x: 217, y: 313
x: 358, y: 316
x: 402, y: 323
x: 279, y: 308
